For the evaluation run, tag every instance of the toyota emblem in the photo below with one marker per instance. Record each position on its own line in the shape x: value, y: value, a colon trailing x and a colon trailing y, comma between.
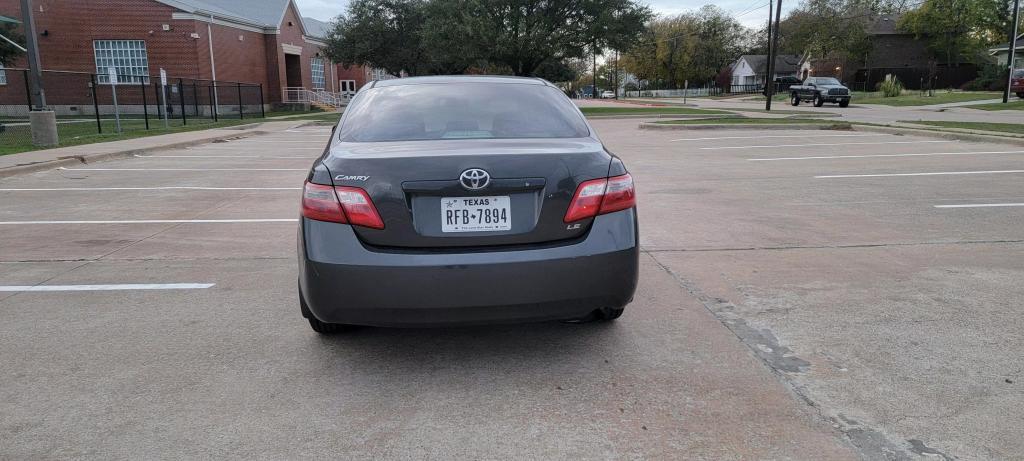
x: 475, y: 179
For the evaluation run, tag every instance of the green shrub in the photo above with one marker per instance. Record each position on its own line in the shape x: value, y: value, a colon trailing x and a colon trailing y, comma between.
x: 891, y: 87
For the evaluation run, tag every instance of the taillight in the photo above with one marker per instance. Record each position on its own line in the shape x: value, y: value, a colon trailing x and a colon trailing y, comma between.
x: 339, y: 204
x: 358, y: 207
x: 319, y: 202
x: 600, y: 196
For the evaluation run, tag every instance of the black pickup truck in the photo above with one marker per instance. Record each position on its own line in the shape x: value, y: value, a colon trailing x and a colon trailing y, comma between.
x: 820, y: 90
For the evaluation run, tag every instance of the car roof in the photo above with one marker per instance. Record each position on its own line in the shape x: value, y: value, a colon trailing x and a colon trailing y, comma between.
x: 448, y: 79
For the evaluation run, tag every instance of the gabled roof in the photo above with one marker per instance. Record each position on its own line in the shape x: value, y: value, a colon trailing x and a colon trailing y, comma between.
x: 265, y: 14
x: 316, y: 27
x: 783, y: 62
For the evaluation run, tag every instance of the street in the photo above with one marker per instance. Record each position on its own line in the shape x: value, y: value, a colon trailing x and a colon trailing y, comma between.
x: 803, y: 295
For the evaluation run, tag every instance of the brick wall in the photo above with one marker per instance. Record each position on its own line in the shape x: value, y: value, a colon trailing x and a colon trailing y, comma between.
x: 241, y: 55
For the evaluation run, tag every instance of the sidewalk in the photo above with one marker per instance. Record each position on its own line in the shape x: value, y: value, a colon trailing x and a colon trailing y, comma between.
x: 26, y: 162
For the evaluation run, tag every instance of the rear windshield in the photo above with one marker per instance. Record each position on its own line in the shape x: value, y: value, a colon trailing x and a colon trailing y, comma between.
x: 461, y: 111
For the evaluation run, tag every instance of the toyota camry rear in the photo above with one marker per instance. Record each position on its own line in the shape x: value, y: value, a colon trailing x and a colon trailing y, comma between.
x: 465, y: 200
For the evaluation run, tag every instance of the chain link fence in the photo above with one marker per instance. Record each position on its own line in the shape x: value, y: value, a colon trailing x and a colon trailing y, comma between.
x: 88, y: 105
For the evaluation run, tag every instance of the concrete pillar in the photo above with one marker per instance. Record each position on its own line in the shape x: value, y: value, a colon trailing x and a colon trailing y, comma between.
x: 44, y: 128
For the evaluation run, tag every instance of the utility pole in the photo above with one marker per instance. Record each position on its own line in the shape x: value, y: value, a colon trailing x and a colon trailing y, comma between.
x: 593, y: 91
x: 35, y: 72
x: 1012, y: 49
x: 772, y: 53
x: 768, y: 57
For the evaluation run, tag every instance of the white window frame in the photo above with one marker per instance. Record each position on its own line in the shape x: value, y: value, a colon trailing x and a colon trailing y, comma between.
x: 129, y: 57
x: 317, y: 76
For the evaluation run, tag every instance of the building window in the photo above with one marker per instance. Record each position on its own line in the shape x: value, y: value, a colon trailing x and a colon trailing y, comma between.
x: 3, y: 74
x: 318, y: 73
x: 380, y: 74
x: 127, y: 56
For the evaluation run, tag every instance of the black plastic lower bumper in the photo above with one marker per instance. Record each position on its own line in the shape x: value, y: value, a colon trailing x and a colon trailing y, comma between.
x: 343, y: 281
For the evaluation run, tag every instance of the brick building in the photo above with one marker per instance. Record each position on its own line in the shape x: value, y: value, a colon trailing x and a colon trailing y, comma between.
x: 264, y: 42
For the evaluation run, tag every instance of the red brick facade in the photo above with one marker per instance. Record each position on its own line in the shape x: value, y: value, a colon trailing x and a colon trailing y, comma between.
x: 243, y: 53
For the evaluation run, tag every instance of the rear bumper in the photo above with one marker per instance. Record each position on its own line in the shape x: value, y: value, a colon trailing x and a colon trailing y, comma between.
x: 343, y: 281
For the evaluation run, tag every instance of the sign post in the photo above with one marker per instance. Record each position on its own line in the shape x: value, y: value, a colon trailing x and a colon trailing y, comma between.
x: 163, y: 95
x: 112, y: 76
x: 686, y: 89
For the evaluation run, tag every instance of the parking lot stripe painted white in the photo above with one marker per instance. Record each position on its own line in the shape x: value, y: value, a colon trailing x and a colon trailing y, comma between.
x: 884, y: 155
x: 936, y: 173
x: 152, y: 221
x: 183, y: 169
x: 981, y: 205
x: 784, y: 136
x: 822, y: 145
x: 117, y: 287
x: 226, y: 156
x: 84, y: 189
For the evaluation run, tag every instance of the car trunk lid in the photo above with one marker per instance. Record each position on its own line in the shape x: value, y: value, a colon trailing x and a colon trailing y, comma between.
x: 415, y: 185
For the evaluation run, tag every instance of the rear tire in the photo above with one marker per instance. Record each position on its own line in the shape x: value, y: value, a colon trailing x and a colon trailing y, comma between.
x: 318, y: 326
x: 845, y: 103
x: 794, y: 100
x: 818, y: 102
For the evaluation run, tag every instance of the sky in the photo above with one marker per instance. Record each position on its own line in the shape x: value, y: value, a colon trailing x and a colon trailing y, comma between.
x: 751, y: 13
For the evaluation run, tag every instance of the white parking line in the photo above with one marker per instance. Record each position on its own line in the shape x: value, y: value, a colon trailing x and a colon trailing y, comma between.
x: 937, y: 173
x: 116, y: 287
x: 980, y: 205
x: 183, y: 169
x: 151, y: 221
x: 784, y: 136
x: 225, y: 156
x: 83, y: 189
x: 884, y: 155
x: 823, y: 144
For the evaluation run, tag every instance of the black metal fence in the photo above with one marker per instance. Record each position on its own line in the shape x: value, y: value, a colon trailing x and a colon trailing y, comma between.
x: 89, y: 105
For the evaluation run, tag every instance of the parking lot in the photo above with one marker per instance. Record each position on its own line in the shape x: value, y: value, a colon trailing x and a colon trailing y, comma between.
x: 803, y: 295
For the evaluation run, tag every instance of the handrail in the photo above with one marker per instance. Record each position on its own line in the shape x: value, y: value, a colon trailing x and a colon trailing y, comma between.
x: 301, y: 95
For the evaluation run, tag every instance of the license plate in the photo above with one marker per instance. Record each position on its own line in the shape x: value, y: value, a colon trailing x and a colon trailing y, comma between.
x: 476, y: 214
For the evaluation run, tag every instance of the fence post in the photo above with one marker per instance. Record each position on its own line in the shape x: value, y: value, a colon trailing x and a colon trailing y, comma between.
x: 263, y: 112
x: 96, y: 104
x: 181, y: 99
x: 145, y: 107
x: 241, y: 111
x: 195, y: 97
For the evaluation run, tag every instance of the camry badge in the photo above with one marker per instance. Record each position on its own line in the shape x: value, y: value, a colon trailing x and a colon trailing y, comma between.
x: 475, y: 179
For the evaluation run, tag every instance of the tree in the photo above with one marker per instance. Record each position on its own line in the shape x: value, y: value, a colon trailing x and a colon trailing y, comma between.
x: 7, y: 51
x: 950, y: 26
x: 381, y: 33
x: 524, y: 34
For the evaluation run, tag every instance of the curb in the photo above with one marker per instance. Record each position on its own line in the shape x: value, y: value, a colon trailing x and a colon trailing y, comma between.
x: 86, y: 159
x: 1019, y: 141
x: 743, y: 126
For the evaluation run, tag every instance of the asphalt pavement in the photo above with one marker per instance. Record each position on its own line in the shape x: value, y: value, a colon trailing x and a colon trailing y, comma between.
x: 803, y: 295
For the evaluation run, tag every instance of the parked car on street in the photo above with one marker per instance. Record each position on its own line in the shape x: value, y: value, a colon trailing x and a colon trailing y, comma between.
x: 607, y: 94
x: 1017, y: 83
x: 820, y: 90
x: 465, y: 200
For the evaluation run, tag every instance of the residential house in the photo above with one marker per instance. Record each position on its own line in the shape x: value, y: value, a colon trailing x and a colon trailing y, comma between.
x: 259, y: 42
x: 750, y: 70
x: 1001, y: 52
x: 893, y: 52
